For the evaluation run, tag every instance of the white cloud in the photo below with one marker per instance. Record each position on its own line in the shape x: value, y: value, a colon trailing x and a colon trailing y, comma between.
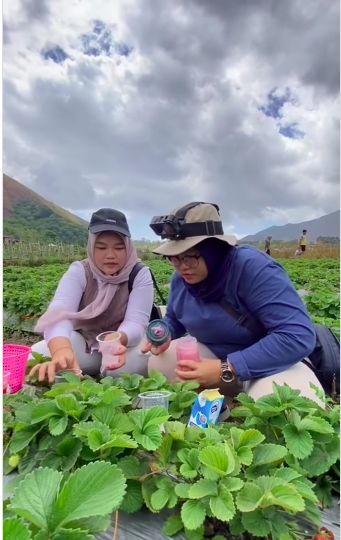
x: 179, y: 118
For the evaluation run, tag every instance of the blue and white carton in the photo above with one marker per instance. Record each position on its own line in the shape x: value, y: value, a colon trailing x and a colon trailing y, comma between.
x: 206, y: 408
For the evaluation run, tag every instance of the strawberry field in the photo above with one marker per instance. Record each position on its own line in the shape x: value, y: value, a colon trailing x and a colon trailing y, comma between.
x: 84, y: 453
x: 28, y: 290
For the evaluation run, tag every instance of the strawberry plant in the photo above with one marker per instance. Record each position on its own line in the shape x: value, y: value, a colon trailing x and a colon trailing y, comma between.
x: 253, y: 476
x: 48, y: 504
x: 324, y: 305
x: 28, y: 291
x: 311, y: 434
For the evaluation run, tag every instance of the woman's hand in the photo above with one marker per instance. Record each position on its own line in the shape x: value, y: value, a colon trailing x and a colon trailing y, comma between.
x: 63, y: 358
x: 206, y: 372
x: 155, y: 349
x: 119, y: 360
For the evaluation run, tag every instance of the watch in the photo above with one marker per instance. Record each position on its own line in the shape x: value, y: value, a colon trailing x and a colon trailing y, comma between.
x: 226, y: 373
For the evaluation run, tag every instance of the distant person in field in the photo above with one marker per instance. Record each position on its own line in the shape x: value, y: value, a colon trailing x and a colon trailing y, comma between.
x: 93, y: 297
x: 303, y: 241
x: 267, y: 244
x: 251, y: 326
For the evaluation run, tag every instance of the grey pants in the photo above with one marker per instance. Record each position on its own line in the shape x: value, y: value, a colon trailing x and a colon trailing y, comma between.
x: 299, y: 376
x: 90, y: 363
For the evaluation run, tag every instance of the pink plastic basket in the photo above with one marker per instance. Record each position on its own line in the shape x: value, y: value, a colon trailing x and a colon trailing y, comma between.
x: 15, y: 360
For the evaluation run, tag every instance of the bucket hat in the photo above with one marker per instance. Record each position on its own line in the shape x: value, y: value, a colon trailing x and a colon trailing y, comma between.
x: 108, y: 219
x: 187, y: 226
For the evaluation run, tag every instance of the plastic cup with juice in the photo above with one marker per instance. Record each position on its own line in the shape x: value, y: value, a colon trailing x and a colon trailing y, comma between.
x: 187, y: 349
x: 109, y: 344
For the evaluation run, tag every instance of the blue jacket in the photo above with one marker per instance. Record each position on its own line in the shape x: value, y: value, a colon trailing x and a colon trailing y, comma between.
x: 260, y: 287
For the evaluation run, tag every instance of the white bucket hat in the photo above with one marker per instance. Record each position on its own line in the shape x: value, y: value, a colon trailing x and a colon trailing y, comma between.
x: 194, y: 223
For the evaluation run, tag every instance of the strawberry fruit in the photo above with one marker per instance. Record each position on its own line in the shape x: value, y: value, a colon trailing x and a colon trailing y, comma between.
x: 324, y: 534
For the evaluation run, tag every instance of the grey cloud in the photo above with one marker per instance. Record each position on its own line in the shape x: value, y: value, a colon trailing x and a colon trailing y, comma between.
x: 70, y: 189
x: 6, y: 33
x: 36, y: 10
x: 174, y: 130
x: 285, y: 34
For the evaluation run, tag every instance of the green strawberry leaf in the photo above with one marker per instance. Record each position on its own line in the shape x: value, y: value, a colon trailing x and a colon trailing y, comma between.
x: 322, y: 458
x: 16, y: 529
x: 287, y: 497
x: 222, y: 506
x: 72, y: 534
x: 182, y: 490
x: 219, y: 458
x: 45, y: 409
x: 35, y: 496
x: 319, y: 425
x: 69, y: 405
x: 21, y: 439
x: 245, y: 455
x: 95, y: 489
x: 300, y: 443
x: 255, y: 523
x: 265, y: 454
x: 193, y: 514
x: 159, y: 499
x: 133, y: 500
x: 249, y: 497
x: 173, y: 525
x: 202, y: 488
x: 116, y: 397
x: 150, y: 438
x: 132, y: 468
x: 176, y: 430
x: 57, y: 425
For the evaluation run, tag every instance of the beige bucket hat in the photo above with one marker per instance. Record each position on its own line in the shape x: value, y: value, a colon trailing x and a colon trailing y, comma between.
x: 202, y: 214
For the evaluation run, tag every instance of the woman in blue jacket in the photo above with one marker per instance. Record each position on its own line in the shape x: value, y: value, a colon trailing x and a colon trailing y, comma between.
x: 252, y: 327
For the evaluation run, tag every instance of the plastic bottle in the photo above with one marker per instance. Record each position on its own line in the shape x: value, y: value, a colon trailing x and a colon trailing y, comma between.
x: 158, y: 332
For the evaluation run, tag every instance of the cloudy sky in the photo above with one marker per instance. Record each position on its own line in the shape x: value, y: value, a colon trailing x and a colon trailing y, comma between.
x: 145, y: 105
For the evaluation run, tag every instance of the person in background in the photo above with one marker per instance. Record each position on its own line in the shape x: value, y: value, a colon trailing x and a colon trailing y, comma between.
x: 251, y: 326
x: 267, y: 244
x: 93, y: 297
x: 303, y: 241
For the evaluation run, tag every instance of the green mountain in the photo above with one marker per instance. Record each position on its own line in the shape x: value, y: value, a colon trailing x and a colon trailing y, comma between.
x: 29, y: 217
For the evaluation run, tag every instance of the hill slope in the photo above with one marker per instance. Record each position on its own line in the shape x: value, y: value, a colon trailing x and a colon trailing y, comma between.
x: 327, y: 226
x: 28, y: 216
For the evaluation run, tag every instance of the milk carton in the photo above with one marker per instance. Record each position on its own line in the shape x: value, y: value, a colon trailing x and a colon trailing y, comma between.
x: 206, y: 408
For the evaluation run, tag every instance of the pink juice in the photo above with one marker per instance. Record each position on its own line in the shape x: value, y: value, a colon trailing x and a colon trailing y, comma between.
x: 189, y: 355
x: 187, y: 350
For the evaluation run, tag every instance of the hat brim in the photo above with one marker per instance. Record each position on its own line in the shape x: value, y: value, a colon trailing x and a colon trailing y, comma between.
x: 176, y: 247
x: 113, y: 228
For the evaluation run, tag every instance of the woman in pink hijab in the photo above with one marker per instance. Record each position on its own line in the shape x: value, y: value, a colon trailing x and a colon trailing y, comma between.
x: 93, y: 297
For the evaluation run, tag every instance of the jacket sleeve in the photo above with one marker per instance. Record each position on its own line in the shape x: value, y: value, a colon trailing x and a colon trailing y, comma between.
x: 270, y: 297
x: 139, y: 307
x: 67, y: 296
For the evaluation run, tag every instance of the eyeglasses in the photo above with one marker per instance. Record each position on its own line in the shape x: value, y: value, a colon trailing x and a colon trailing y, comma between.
x: 191, y: 261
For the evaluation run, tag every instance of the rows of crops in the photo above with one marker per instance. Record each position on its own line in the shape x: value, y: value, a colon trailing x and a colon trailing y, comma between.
x: 27, y: 291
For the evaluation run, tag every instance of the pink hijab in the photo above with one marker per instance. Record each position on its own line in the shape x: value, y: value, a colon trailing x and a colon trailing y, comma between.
x: 107, y: 287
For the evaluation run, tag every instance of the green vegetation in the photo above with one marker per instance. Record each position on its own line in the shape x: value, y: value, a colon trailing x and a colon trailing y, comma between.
x: 265, y: 473
x: 97, y: 452
x: 320, y: 279
x: 36, y: 223
x: 28, y: 291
